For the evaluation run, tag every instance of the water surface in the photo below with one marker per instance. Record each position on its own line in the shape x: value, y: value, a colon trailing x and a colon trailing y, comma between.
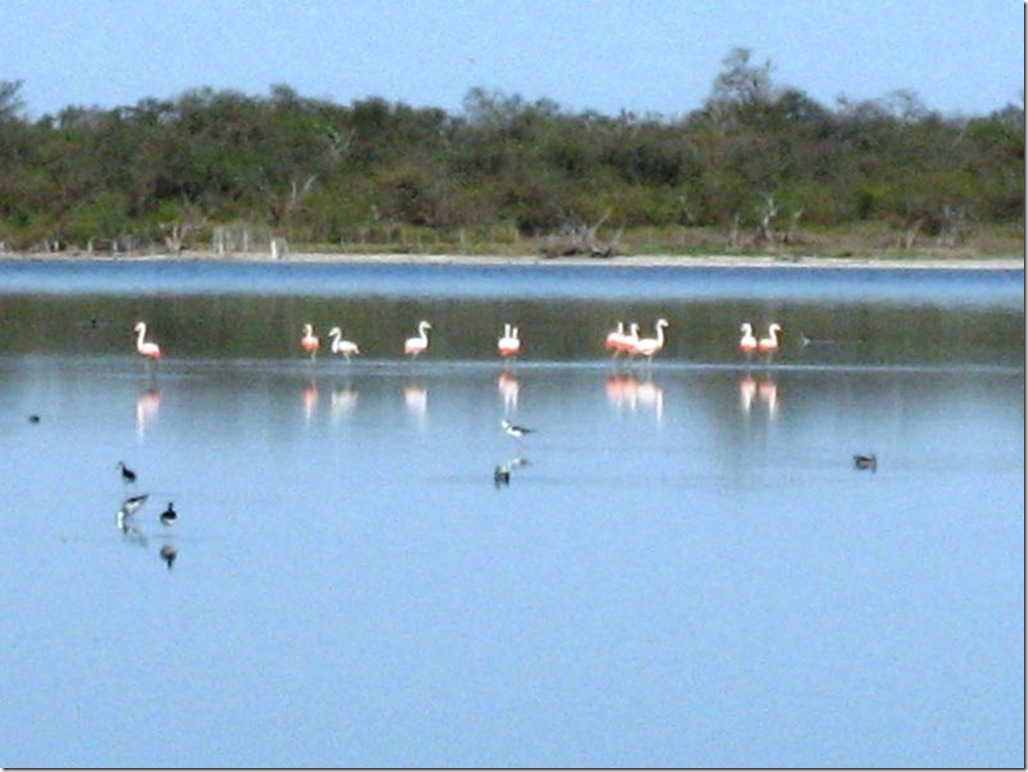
x: 685, y: 568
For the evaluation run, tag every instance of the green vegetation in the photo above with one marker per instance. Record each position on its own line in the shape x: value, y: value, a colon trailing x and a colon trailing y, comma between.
x: 757, y: 168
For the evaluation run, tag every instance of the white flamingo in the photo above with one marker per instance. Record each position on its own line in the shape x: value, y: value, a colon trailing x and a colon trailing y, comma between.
x: 648, y: 347
x: 341, y: 346
x: 145, y: 348
x: 748, y: 341
x: 769, y: 344
x: 415, y: 346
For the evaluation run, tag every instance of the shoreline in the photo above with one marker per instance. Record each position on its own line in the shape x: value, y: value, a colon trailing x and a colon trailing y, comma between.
x: 642, y: 261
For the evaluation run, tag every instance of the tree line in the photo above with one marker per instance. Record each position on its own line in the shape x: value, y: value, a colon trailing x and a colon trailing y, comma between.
x: 757, y: 161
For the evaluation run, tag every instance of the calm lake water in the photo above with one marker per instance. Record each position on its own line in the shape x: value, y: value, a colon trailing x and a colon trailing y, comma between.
x: 685, y: 568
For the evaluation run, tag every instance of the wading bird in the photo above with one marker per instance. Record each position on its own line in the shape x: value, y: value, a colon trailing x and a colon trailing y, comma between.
x: 341, y: 346
x: 127, y: 475
x: 309, y: 343
x: 147, y: 349
x: 648, y: 347
x: 509, y: 344
x: 415, y: 346
x: 748, y: 341
x: 769, y: 343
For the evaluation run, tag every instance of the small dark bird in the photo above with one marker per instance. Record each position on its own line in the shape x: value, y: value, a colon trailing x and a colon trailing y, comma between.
x: 866, y: 462
x: 517, y: 432
x: 34, y: 418
x: 169, y: 516
x: 127, y: 475
x: 132, y: 504
x: 168, y: 554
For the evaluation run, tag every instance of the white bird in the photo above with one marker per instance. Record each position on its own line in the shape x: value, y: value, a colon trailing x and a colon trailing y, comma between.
x: 748, y: 341
x: 132, y: 504
x: 509, y: 344
x: 146, y: 349
x: 770, y: 343
x: 341, y: 346
x: 412, y: 347
x: 647, y: 347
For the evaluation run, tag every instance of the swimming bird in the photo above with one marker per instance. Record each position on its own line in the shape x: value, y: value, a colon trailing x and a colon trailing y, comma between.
x: 748, y: 341
x: 168, y: 554
x: 127, y: 475
x: 341, y: 346
x: 146, y: 349
x: 861, y: 461
x: 517, y: 432
x: 647, y: 347
x: 769, y: 343
x: 509, y: 344
x: 169, y: 516
x: 309, y: 343
x: 412, y: 347
x: 132, y: 504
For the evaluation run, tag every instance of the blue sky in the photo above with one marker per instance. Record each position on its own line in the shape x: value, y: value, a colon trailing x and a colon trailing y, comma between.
x: 648, y: 56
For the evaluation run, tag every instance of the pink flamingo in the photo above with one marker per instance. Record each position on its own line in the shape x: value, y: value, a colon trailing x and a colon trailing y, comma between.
x: 769, y: 344
x: 341, y: 346
x: 412, y: 347
x: 309, y: 342
x: 616, y: 339
x: 145, y: 348
x: 509, y: 344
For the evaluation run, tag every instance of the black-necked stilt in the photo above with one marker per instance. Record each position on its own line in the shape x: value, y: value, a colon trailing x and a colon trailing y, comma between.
x: 861, y: 461
x: 169, y: 516
x: 132, y: 504
x: 127, y: 475
x: 517, y: 432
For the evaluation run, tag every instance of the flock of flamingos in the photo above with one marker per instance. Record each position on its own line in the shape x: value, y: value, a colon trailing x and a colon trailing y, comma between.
x: 508, y: 345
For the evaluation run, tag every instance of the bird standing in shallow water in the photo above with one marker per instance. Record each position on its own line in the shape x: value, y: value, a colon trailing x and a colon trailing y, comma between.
x: 412, y: 347
x: 169, y: 516
x: 517, y: 432
x: 146, y: 349
x: 342, y: 346
x: 509, y: 344
x: 748, y: 341
x: 769, y: 343
x: 309, y: 342
x: 132, y: 504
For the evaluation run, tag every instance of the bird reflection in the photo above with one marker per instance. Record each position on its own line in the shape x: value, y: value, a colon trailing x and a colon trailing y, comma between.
x: 344, y: 400
x: 502, y: 472
x: 148, y: 404
x: 415, y: 398
x: 861, y: 461
x: 625, y: 391
x: 309, y: 400
x: 126, y: 523
x: 508, y: 387
x: 765, y: 392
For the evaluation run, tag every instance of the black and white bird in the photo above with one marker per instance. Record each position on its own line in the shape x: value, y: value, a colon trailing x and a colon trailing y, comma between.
x: 132, y: 504
x: 517, y: 432
x: 861, y: 461
x: 168, y: 554
x: 127, y: 475
x: 501, y: 475
x: 169, y: 516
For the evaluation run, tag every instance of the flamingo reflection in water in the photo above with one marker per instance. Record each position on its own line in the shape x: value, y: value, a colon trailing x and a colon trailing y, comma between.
x: 309, y: 400
x: 344, y: 401
x: 765, y: 391
x: 508, y: 388
x: 148, y: 404
x: 625, y: 391
x: 415, y: 398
